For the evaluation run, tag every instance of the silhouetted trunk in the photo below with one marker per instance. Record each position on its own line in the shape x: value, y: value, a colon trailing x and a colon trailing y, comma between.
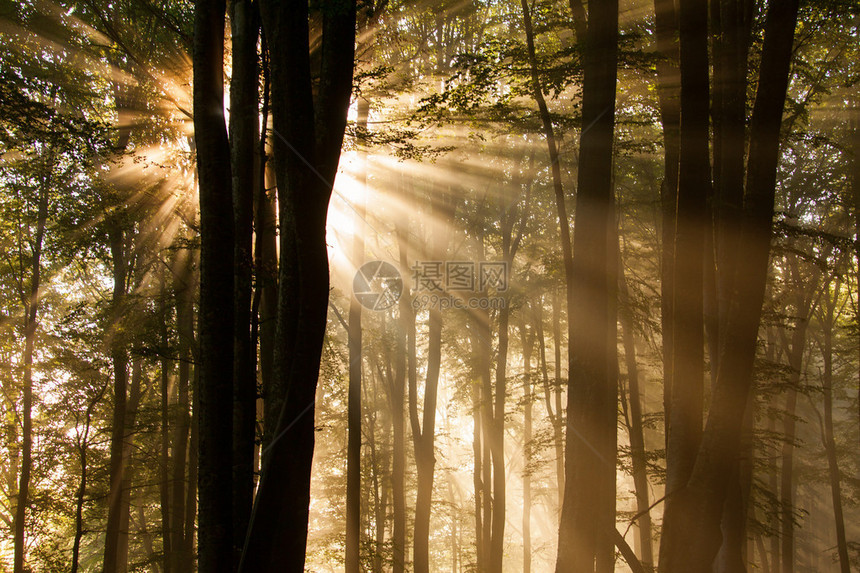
x: 184, y: 288
x: 637, y: 438
x: 685, y: 412
x: 244, y: 118
x: 561, y: 208
x: 353, y: 449
x: 83, y: 445
x: 132, y: 408
x: 309, y: 122
x: 691, y: 536
x: 668, y: 92
x: 215, y: 398
x: 587, y: 526
x: 166, y: 366
x: 424, y: 432
x: 527, y: 339
x: 404, y: 361
x: 829, y: 319
x: 119, y: 359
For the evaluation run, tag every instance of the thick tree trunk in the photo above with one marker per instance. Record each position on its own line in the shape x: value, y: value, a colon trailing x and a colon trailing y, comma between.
x: 309, y: 125
x: 691, y: 532
x: 132, y: 408
x: 586, y: 539
x: 214, y: 400
x: 244, y: 22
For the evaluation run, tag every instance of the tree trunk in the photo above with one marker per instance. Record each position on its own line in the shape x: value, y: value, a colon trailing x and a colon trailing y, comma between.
x: 668, y: 92
x: 691, y: 532
x: 214, y: 400
x: 132, y: 408
x: 166, y: 364
x: 586, y: 530
x: 31, y: 313
x: 244, y: 22
x: 119, y: 359
x: 527, y: 339
x: 404, y: 364
x: 424, y: 432
x: 83, y: 445
x: 637, y: 438
x: 829, y: 320
x: 310, y: 124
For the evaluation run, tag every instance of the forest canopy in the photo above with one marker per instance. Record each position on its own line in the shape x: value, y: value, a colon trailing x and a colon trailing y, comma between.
x: 392, y: 285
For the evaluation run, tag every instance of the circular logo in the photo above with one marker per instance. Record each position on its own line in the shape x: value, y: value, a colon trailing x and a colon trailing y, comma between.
x: 377, y: 285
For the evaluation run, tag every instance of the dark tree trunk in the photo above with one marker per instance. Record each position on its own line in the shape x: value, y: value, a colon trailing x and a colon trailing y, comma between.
x: 685, y: 412
x: 587, y: 526
x: 244, y: 22
x: 83, y: 445
x: 829, y: 319
x: 353, y: 449
x: 424, y: 431
x: 691, y: 536
x: 668, y: 92
x: 164, y: 399
x: 404, y: 361
x: 214, y: 400
x: 119, y: 358
x: 309, y: 124
x: 637, y: 438
x: 527, y: 338
x: 181, y: 502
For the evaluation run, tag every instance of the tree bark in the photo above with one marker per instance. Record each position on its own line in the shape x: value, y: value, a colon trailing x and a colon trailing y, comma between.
x: 244, y: 118
x: 586, y: 541
x: 637, y: 438
x: 691, y: 532
x: 119, y: 358
x: 353, y: 451
x: 828, y: 320
x: 214, y: 400
x: 309, y: 123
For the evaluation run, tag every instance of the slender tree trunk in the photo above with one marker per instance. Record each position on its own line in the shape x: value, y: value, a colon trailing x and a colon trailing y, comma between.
x: 184, y: 288
x: 527, y: 339
x: 31, y: 313
x: 637, y: 438
x: 83, y: 445
x: 214, y: 400
x: 403, y: 367
x: 244, y: 118
x: 668, y: 92
x: 119, y: 359
x: 353, y: 453
x: 164, y: 453
x: 424, y: 432
x: 829, y: 320
x: 132, y: 408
